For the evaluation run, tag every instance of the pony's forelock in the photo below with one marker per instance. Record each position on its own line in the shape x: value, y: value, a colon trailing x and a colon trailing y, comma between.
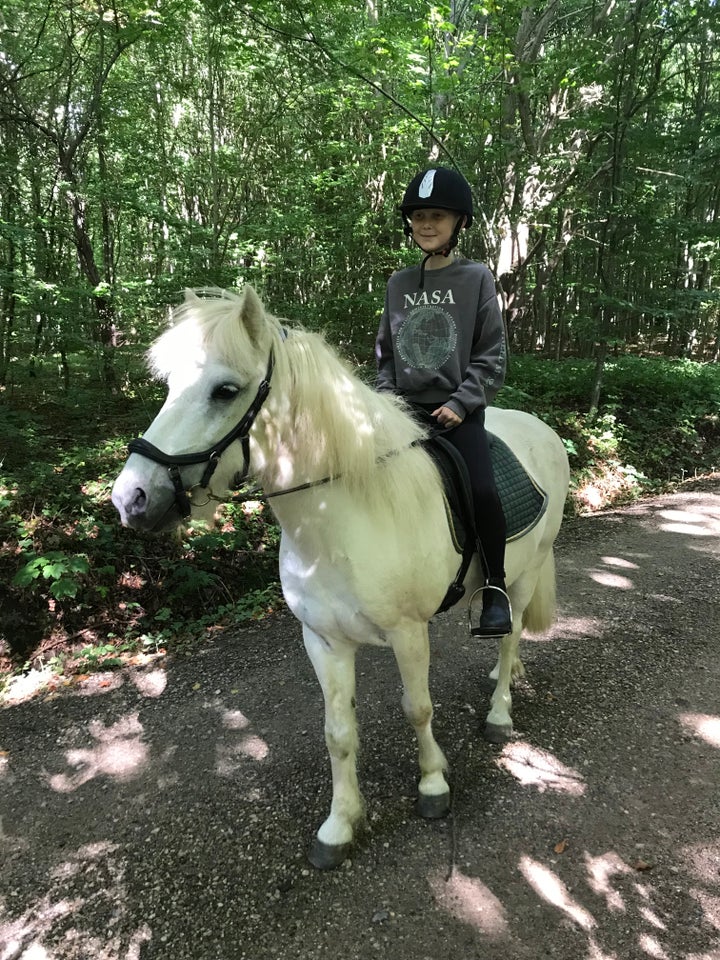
x: 209, y: 324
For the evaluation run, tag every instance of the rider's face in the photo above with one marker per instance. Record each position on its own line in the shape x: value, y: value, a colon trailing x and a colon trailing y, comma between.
x: 433, y: 227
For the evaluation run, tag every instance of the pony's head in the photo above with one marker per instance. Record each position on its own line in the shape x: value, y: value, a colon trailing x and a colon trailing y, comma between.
x: 213, y: 359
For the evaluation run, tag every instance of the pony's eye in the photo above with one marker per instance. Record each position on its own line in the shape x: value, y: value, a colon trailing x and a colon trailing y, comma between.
x: 225, y: 391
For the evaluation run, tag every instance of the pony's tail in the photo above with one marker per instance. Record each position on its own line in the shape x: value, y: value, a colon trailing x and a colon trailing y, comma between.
x: 539, y: 615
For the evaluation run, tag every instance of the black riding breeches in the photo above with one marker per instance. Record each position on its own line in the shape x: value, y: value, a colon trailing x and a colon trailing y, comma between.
x: 470, y: 440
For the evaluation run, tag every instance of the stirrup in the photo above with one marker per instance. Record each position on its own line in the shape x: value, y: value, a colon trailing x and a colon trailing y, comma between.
x: 477, y: 630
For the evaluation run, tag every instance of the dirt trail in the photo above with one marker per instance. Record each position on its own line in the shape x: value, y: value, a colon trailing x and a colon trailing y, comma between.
x: 165, y: 813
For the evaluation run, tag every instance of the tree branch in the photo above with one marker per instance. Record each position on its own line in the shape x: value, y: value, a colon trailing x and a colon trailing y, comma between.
x: 312, y: 39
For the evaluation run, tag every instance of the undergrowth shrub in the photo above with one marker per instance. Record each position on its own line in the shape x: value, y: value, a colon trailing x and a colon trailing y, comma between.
x: 72, y: 580
x: 658, y: 422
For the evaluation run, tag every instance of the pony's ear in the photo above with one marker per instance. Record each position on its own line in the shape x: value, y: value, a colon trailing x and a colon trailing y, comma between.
x: 191, y: 296
x: 252, y: 313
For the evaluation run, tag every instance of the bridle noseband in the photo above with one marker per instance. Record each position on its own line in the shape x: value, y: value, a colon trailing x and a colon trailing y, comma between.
x: 211, y: 456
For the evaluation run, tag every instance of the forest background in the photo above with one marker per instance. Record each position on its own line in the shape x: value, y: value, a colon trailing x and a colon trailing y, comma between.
x: 146, y: 149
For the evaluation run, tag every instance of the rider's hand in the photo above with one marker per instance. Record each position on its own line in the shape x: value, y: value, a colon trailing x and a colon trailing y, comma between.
x: 446, y: 417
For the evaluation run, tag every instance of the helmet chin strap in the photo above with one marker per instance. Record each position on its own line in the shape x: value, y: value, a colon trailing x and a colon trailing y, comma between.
x: 441, y: 251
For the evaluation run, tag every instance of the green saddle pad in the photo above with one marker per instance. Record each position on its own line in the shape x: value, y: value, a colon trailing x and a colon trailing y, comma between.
x: 523, y: 501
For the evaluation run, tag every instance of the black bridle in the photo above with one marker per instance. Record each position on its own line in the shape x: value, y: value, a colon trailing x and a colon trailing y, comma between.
x: 211, y: 456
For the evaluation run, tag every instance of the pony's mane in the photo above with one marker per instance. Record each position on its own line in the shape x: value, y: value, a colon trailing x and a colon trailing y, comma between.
x: 339, y: 421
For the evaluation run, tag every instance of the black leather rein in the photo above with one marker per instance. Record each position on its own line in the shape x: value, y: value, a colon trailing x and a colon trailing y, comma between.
x: 211, y: 456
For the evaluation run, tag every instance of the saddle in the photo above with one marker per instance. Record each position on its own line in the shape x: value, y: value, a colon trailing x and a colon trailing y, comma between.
x: 523, y: 501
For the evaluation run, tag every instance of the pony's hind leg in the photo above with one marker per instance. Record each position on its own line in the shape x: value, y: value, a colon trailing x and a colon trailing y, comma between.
x: 499, y: 725
x: 334, y: 665
x: 533, y: 602
x: 412, y: 652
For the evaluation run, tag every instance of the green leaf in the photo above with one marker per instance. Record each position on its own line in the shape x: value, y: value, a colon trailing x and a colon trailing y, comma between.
x: 64, y: 588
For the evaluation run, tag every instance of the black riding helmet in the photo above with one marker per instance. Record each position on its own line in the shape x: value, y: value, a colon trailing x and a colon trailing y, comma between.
x: 443, y: 189
x: 438, y: 187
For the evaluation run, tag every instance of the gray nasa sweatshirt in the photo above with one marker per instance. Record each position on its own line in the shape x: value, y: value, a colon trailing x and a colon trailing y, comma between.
x: 444, y: 344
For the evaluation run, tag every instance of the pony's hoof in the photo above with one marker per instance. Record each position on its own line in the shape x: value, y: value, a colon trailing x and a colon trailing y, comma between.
x: 434, y: 807
x: 327, y: 856
x: 497, y: 733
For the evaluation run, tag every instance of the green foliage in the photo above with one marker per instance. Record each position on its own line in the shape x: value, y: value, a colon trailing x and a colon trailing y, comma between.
x: 269, y: 144
x: 99, y: 657
x: 660, y: 421
x: 56, y: 566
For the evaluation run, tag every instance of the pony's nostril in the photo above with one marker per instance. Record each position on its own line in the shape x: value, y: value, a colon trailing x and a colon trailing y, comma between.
x: 139, y: 501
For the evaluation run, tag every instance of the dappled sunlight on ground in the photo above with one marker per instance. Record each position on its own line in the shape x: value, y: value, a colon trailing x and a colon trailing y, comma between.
x: 26, y: 685
x: 150, y: 684
x: 118, y: 752
x: 611, y: 578
x: 710, y: 905
x: 620, y: 562
x: 613, y: 892
x: 234, y: 719
x: 534, y: 767
x: 652, y: 918
x: 651, y: 947
x: 21, y: 937
x: 92, y: 685
x: 549, y: 887
x: 607, y: 578
x: 47, y: 684
x: 230, y: 755
x: 569, y: 627
x: 468, y: 899
x: 602, y: 874
x: 703, y: 859
x: 690, y: 523
x: 56, y: 916
x: 601, y: 871
x: 595, y: 953
x: 702, y: 725
x: 687, y: 530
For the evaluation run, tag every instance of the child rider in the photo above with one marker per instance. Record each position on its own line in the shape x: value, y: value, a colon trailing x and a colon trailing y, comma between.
x: 441, y: 346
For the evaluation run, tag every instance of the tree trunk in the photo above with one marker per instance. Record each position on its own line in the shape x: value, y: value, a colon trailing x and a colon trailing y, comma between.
x: 104, y: 326
x: 601, y: 350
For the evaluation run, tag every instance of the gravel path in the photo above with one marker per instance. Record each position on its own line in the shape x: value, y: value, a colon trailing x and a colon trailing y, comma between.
x: 165, y: 812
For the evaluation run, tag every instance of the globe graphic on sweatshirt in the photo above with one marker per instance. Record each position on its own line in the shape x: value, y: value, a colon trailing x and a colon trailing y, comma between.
x: 427, y: 338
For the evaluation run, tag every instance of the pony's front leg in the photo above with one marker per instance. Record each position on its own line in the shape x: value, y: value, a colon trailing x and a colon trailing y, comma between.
x: 412, y: 652
x: 499, y: 725
x: 335, y: 668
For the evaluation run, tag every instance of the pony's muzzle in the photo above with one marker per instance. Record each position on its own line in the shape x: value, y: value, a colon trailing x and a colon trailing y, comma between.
x: 138, y: 510
x: 130, y: 502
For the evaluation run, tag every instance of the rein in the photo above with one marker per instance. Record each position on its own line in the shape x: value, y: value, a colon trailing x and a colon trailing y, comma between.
x: 257, y: 495
x: 211, y: 456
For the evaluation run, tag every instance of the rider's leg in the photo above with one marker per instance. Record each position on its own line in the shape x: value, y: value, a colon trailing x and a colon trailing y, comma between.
x: 471, y: 440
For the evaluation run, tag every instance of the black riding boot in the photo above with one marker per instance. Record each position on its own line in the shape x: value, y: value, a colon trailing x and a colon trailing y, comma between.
x: 495, y: 620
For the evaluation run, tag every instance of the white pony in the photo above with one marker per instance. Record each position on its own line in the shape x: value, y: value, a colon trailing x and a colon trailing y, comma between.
x: 366, y: 554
